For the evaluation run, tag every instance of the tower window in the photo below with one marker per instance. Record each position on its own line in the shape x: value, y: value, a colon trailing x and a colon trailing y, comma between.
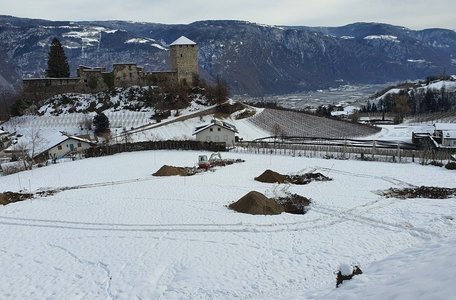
x: 181, y: 55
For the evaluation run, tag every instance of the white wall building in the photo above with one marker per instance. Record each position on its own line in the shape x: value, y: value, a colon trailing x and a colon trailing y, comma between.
x: 217, y: 131
x: 64, y: 145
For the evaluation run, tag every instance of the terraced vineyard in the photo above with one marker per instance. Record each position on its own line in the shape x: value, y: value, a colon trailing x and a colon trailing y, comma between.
x: 302, y: 124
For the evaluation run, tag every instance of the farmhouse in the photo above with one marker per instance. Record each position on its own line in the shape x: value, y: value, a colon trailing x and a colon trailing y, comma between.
x: 216, y: 131
x: 184, y: 69
x: 61, y: 146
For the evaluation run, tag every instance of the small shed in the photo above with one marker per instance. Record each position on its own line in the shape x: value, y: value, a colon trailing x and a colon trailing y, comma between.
x: 216, y: 131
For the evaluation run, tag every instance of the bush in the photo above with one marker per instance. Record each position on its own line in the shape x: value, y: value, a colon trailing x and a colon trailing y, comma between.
x: 451, y: 166
x: 436, y: 163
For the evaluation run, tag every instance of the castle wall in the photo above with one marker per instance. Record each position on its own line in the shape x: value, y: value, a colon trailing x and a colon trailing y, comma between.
x: 126, y: 75
x: 42, y: 88
x: 160, y: 78
x: 184, y: 62
x: 184, y: 59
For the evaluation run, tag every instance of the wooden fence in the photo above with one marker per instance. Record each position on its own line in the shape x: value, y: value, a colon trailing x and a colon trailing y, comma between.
x: 156, y: 145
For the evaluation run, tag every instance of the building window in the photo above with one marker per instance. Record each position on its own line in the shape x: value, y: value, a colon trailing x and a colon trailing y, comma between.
x: 181, y: 55
x: 59, y: 147
x: 210, y: 129
x: 218, y: 129
x: 79, y: 145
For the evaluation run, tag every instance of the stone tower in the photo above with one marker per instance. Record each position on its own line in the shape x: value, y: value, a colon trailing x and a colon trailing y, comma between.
x: 184, y: 59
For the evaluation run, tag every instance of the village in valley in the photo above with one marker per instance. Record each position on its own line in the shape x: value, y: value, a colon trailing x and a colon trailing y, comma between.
x: 124, y: 183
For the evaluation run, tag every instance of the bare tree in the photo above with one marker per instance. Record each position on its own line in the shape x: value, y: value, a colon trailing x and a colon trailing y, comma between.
x: 32, y: 140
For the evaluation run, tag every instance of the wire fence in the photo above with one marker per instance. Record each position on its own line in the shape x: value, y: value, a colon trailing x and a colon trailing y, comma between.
x: 373, y: 153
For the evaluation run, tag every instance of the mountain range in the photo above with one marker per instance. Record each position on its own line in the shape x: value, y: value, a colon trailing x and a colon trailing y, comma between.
x: 254, y: 59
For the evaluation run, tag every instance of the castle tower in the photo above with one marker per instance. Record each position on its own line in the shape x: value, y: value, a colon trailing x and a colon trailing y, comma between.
x: 184, y: 59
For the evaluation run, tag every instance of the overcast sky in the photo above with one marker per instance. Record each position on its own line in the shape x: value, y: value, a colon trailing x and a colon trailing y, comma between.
x: 415, y: 14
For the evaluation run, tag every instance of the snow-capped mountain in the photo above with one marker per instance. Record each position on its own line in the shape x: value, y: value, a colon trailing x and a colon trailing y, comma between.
x: 253, y: 58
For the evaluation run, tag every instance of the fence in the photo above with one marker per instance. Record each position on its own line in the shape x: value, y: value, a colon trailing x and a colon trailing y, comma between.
x: 372, y: 153
x: 154, y: 145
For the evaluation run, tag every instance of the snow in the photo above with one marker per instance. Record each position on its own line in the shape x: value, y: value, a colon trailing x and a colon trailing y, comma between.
x: 449, y: 85
x: 347, y: 37
x: 419, y: 61
x: 391, y: 91
x: 120, y: 233
x: 137, y: 41
x: 390, y: 38
x: 183, y: 41
x: 424, y: 272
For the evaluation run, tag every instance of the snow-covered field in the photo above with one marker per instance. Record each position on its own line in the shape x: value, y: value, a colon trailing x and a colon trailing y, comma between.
x: 124, y: 234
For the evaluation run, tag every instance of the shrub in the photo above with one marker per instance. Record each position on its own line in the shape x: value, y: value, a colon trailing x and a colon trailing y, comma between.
x: 451, y: 166
x: 436, y: 163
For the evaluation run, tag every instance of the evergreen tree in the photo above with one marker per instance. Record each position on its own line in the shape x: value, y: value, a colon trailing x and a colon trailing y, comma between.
x: 58, y: 66
x: 101, y: 123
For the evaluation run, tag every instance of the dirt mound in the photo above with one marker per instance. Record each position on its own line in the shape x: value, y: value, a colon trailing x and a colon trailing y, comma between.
x: 171, y: 171
x: 430, y: 192
x: 256, y: 203
x: 294, y: 204
x: 270, y: 176
x: 10, y: 197
x: 307, y: 178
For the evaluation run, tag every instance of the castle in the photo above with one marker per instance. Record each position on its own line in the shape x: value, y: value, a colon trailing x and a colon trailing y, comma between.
x: 184, y: 69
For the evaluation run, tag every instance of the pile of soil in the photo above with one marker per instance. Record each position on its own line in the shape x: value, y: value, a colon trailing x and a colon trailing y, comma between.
x: 430, y: 192
x: 307, y: 178
x: 172, y: 171
x: 294, y: 204
x: 270, y: 176
x: 11, y: 197
x: 255, y: 203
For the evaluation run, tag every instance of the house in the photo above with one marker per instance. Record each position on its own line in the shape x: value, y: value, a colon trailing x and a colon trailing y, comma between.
x: 216, y: 131
x: 445, y: 134
x: 61, y: 146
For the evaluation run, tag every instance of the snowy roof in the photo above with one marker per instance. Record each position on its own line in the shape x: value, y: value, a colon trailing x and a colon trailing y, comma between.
x: 445, y: 126
x: 183, y: 41
x: 213, y: 123
x: 451, y: 134
x: 54, y: 140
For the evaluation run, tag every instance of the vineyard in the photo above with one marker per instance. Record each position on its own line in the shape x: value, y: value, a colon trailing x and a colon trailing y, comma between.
x: 290, y: 123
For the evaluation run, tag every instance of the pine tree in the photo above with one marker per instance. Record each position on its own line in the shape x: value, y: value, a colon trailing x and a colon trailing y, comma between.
x: 58, y: 66
x: 101, y: 123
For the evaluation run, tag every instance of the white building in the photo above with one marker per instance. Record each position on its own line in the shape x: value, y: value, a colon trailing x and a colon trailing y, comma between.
x: 216, y: 131
x: 445, y: 133
x: 63, y: 145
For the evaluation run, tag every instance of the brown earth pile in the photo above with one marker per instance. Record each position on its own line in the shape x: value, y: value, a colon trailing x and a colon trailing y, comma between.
x: 307, y: 178
x: 270, y: 176
x: 430, y: 192
x: 10, y: 197
x: 294, y: 204
x: 256, y: 203
x: 171, y: 171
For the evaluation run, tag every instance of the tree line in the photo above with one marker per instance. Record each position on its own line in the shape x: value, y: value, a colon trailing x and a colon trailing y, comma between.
x: 414, y: 101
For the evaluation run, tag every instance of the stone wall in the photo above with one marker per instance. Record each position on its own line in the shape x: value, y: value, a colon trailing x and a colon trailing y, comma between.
x: 184, y: 59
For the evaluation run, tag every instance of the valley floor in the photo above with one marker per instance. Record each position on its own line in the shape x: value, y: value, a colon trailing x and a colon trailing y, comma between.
x: 121, y: 233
